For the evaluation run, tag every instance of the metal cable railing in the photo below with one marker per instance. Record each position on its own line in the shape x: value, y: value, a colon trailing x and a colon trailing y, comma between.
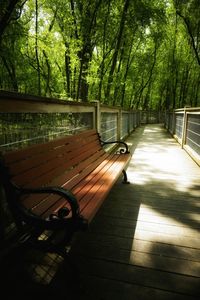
x: 184, y: 125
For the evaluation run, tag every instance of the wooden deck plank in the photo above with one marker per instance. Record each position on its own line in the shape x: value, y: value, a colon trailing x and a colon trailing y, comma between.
x: 144, y: 243
x: 139, y: 245
x: 142, y: 276
x: 119, y: 290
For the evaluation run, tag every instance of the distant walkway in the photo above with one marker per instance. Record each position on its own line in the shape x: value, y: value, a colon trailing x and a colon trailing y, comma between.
x: 145, y: 241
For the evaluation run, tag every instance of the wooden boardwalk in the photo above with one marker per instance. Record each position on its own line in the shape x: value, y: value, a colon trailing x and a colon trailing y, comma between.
x: 145, y: 242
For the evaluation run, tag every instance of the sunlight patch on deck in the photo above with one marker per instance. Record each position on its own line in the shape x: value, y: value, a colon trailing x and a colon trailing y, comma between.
x: 155, y: 228
x: 149, y: 165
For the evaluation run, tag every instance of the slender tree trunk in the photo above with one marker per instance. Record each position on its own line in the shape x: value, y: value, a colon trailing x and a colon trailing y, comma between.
x: 36, y: 48
x: 11, y: 72
x: 73, y: 93
x: 146, y: 104
x: 117, y: 84
x: 192, y: 38
x: 185, y: 87
x: 174, y: 68
x: 117, y: 48
x: 197, y: 85
x: 48, y: 76
x: 128, y: 63
x: 86, y: 53
x: 5, y: 14
x: 67, y: 70
x: 150, y: 74
x: 104, y: 54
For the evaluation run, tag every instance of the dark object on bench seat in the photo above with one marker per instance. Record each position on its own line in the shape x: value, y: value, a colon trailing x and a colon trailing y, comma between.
x: 57, y: 187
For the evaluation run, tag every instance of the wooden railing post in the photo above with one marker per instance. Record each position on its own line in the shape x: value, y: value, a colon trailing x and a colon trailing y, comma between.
x: 119, y: 124
x: 184, y: 127
x: 173, y: 121
x: 130, y: 127
x: 97, y: 117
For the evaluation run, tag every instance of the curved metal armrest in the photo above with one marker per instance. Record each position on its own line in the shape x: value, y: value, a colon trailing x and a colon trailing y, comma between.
x: 54, y: 190
x: 50, y: 223
x: 126, y: 150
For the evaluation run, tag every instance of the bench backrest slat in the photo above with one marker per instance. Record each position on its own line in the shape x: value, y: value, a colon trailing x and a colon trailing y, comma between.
x: 39, y: 167
x: 57, y: 165
x: 32, y: 161
x: 34, y: 150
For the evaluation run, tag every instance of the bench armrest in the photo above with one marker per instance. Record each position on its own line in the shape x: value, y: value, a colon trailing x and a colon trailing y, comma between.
x: 126, y: 150
x: 51, y: 223
x: 55, y: 190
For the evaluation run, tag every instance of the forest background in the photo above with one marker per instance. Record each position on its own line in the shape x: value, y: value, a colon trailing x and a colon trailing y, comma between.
x: 141, y: 54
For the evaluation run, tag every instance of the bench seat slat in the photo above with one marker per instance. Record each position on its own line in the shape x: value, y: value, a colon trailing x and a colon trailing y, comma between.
x: 91, y: 202
x: 87, y: 186
x: 83, y: 182
x: 34, y: 200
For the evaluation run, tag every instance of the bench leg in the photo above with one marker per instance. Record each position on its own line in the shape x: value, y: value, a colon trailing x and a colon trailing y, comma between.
x: 125, y: 181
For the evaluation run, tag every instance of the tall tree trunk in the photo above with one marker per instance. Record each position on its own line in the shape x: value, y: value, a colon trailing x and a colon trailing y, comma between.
x: 85, y: 54
x: 85, y: 57
x: 185, y: 87
x: 191, y: 36
x: 117, y: 47
x: 117, y: 88
x: 73, y: 92
x: 128, y: 63
x: 102, y: 66
x: 48, y: 76
x: 150, y: 73
x: 36, y: 48
x: 11, y: 72
x: 67, y: 70
x: 197, y: 86
x: 5, y: 14
x: 174, y: 68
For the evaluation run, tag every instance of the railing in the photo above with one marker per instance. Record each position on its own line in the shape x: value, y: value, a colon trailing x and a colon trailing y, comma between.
x: 184, y: 125
x: 26, y: 120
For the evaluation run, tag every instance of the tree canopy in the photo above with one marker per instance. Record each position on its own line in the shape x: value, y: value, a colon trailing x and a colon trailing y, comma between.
x: 136, y: 54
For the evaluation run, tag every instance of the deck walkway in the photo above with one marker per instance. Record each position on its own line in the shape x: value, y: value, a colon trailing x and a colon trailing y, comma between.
x: 143, y: 244
x: 145, y: 241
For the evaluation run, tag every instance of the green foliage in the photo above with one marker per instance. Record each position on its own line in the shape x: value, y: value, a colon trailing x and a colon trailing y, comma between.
x: 145, y: 57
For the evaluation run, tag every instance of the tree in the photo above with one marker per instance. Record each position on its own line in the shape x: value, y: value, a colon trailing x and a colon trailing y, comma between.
x: 189, y: 12
x: 138, y: 54
x: 10, y: 10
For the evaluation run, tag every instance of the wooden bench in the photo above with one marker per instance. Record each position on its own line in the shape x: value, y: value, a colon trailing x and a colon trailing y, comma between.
x: 57, y: 187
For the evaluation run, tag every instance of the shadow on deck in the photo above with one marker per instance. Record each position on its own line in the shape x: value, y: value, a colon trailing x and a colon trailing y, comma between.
x: 144, y: 243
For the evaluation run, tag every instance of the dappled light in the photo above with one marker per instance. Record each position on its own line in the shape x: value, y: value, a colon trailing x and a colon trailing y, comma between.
x: 158, y: 227
x: 147, y: 233
x: 166, y: 181
x: 157, y: 162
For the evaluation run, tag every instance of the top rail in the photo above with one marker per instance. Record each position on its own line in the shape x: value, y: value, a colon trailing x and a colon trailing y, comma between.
x: 26, y: 119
